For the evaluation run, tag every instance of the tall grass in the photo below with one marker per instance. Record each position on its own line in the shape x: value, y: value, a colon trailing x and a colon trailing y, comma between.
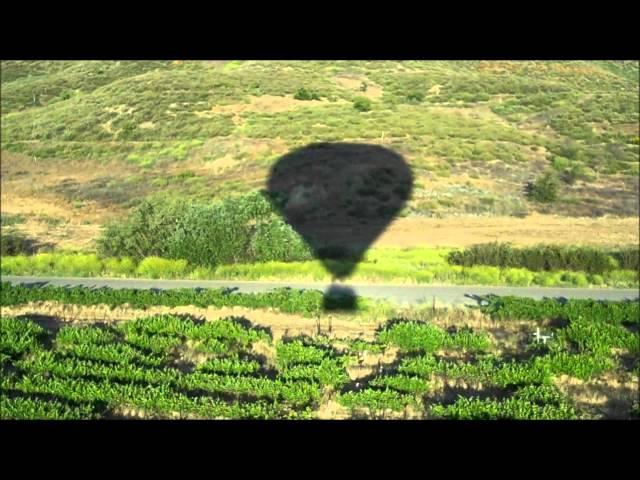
x: 391, y: 265
x: 156, y: 267
x: 59, y: 264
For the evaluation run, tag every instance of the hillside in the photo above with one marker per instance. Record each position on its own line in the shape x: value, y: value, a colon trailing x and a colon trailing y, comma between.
x: 82, y: 142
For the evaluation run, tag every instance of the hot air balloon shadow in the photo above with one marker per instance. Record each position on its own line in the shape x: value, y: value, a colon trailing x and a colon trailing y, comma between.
x: 340, y: 197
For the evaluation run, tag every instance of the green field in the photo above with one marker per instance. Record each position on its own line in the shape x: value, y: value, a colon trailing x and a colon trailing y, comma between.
x: 433, y: 365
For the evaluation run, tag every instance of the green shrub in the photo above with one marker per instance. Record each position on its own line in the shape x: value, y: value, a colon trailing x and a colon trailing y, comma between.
x: 209, y: 235
x: 628, y: 258
x: 362, y: 104
x: 518, y: 276
x: 546, y: 257
x: 277, y: 241
x: 119, y: 266
x: 43, y: 262
x: 499, y: 254
x: 143, y: 233
x: 544, y: 189
x: 569, y: 176
x: 621, y: 278
x: 560, y: 163
x: 18, y: 265
x: 482, y: 275
x: 304, y: 94
x: 203, y: 233
x: 574, y: 173
x: 202, y: 273
x: 80, y: 265
x: 569, y: 150
x: 155, y: 267
x: 415, y: 96
x: 577, y: 279
x: 547, y: 279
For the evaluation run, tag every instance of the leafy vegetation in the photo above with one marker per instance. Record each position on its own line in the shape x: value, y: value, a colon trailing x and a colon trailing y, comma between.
x: 518, y: 407
x: 375, y: 400
x: 75, y: 372
x: 305, y: 302
x: 362, y: 104
x: 412, y: 336
x: 544, y: 189
x: 169, y: 366
x: 203, y: 234
x: 519, y: 308
x: 304, y: 94
x: 480, y: 265
x: 548, y: 257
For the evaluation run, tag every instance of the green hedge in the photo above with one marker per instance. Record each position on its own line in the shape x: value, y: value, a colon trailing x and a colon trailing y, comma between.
x: 519, y: 308
x: 548, y: 257
x: 305, y: 302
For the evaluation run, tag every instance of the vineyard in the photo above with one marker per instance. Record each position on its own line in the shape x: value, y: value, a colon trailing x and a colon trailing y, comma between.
x: 484, y: 363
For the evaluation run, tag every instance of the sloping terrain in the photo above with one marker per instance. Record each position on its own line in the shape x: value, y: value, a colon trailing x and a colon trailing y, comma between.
x: 98, y: 137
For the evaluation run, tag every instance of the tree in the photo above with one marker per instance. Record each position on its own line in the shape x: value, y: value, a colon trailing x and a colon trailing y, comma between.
x: 544, y: 189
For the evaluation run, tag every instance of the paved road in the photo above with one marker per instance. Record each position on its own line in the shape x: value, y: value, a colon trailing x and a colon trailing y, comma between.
x: 408, y: 294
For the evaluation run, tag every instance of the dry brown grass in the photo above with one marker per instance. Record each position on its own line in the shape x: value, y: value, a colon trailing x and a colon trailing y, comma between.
x: 610, y: 395
x: 263, y: 104
x: 354, y: 82
x: 536, y: 228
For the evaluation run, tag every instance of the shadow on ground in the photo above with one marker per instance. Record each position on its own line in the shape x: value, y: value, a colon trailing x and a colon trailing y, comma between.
x: 340, y: 197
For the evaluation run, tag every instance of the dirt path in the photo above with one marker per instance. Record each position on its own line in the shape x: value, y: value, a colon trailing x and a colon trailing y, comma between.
x: 536, y: 228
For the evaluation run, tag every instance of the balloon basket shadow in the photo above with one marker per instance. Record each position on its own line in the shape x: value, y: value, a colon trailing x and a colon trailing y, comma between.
x: 339, y: 299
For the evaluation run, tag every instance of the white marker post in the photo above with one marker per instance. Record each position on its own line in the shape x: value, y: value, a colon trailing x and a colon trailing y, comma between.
x: 539, y: 337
